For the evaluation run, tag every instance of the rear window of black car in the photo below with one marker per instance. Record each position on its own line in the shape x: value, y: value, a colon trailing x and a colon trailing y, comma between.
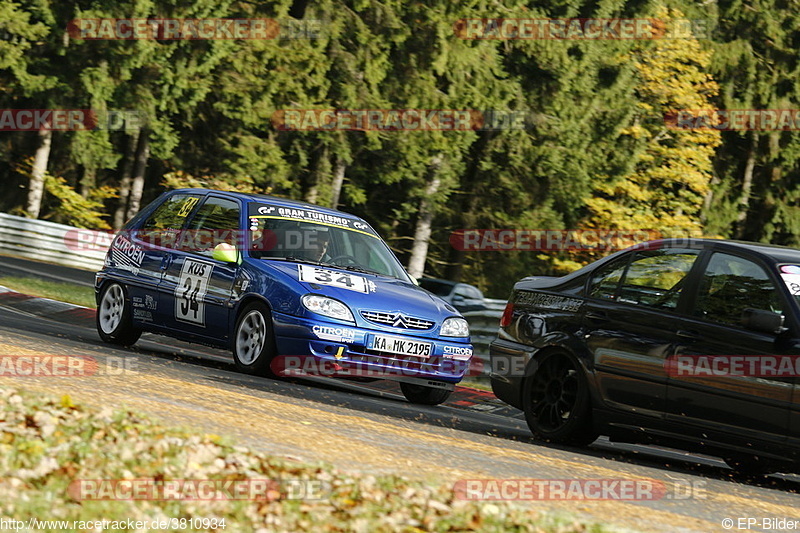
x: 653, y: 278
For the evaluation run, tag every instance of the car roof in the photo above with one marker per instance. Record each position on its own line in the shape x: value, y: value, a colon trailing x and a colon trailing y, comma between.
x: 773, y: 252
x: 252, y: 197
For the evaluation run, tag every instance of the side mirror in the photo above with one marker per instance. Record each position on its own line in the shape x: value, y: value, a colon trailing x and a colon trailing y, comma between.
x: 225, y: 252
x: 763, y: 321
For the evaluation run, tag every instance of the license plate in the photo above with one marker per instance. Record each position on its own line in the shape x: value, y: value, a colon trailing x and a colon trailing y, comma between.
x: 401, y: 346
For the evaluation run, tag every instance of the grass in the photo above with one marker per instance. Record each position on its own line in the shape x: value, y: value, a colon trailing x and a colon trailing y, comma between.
x: 65, y: 292
x: 48, y: 445
x: 477, y: 383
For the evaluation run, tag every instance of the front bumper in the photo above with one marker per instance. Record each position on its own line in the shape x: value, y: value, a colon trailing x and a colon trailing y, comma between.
x: 313, y: 347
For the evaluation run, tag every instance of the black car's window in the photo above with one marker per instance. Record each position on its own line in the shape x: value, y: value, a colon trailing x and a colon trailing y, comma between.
x: 655, y: 277
x: 162, y: 227
x: 606, y: 280
x: 732, y: 284
x: 216, y: 221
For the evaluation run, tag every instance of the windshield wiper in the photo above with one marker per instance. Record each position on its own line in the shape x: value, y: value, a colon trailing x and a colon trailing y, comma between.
x: 296, y: 260
x: 351, y: 268
x: 354, y: 268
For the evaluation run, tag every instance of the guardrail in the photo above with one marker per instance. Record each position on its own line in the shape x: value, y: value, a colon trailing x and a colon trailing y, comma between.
x: 483, y: 326
x: 47, y: 241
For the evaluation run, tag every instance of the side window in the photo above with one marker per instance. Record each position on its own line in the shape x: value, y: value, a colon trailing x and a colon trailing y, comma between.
x: 606, y: 280
x: 732, y: 284
x: 216, y: 221
x: 163, y: 226
x: 655, y: 277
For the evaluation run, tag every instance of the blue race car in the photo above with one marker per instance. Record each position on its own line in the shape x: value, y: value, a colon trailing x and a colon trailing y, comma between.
x: 289, y: 287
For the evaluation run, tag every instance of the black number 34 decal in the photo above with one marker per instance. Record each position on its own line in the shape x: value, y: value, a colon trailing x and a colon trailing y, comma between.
x: 189, y: 298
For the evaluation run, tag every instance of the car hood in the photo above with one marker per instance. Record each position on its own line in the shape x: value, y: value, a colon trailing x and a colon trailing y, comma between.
x: 368, y: 293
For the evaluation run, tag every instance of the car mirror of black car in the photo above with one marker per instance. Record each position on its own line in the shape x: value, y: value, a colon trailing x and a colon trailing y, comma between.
x: 763, y: 321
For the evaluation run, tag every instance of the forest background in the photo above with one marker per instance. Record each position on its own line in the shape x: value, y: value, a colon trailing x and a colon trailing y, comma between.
x: 595, y: 152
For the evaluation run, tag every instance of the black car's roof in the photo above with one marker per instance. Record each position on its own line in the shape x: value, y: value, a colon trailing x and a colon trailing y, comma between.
x: 770, y: 253
x: 779, y: 254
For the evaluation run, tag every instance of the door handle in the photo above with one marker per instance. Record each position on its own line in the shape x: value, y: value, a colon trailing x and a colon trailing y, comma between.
x: 596, y: 316
x: 689, y: 335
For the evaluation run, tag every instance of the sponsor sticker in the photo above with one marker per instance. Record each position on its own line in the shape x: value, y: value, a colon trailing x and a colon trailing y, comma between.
x: 330, y: 333
x: 460, y: 353
x: 791, y: 277
x: 547, y: 301
x: 126, y: 255
x: 307, y: 215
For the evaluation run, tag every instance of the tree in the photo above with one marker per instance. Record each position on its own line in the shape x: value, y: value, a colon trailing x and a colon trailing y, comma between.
x: 756, y: 195
x: 672, y: 168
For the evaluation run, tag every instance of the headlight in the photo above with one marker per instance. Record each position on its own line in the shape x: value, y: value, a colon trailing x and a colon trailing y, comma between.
x: 455, y: 327
x: 322, y: 305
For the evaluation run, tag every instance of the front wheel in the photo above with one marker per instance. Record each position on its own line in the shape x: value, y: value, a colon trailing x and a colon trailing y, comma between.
x: 113, y: 317
x: 253, y: 345
x: 556, y: 401
x: 422, y: 395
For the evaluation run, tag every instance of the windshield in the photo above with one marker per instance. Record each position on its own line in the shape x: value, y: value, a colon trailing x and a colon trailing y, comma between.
x: 349, y: 244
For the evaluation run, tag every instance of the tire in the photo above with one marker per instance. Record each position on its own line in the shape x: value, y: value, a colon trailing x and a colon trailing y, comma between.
x: 556, y: 402
x: 749, y: 465
x: 422, y: 395
x: 253, y: 344
x: 113, y: 317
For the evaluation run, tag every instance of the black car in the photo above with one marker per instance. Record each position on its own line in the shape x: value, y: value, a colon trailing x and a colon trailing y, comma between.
x: 692, y: 344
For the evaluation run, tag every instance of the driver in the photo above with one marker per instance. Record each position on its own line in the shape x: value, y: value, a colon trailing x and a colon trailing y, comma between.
x: 317, y: 246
